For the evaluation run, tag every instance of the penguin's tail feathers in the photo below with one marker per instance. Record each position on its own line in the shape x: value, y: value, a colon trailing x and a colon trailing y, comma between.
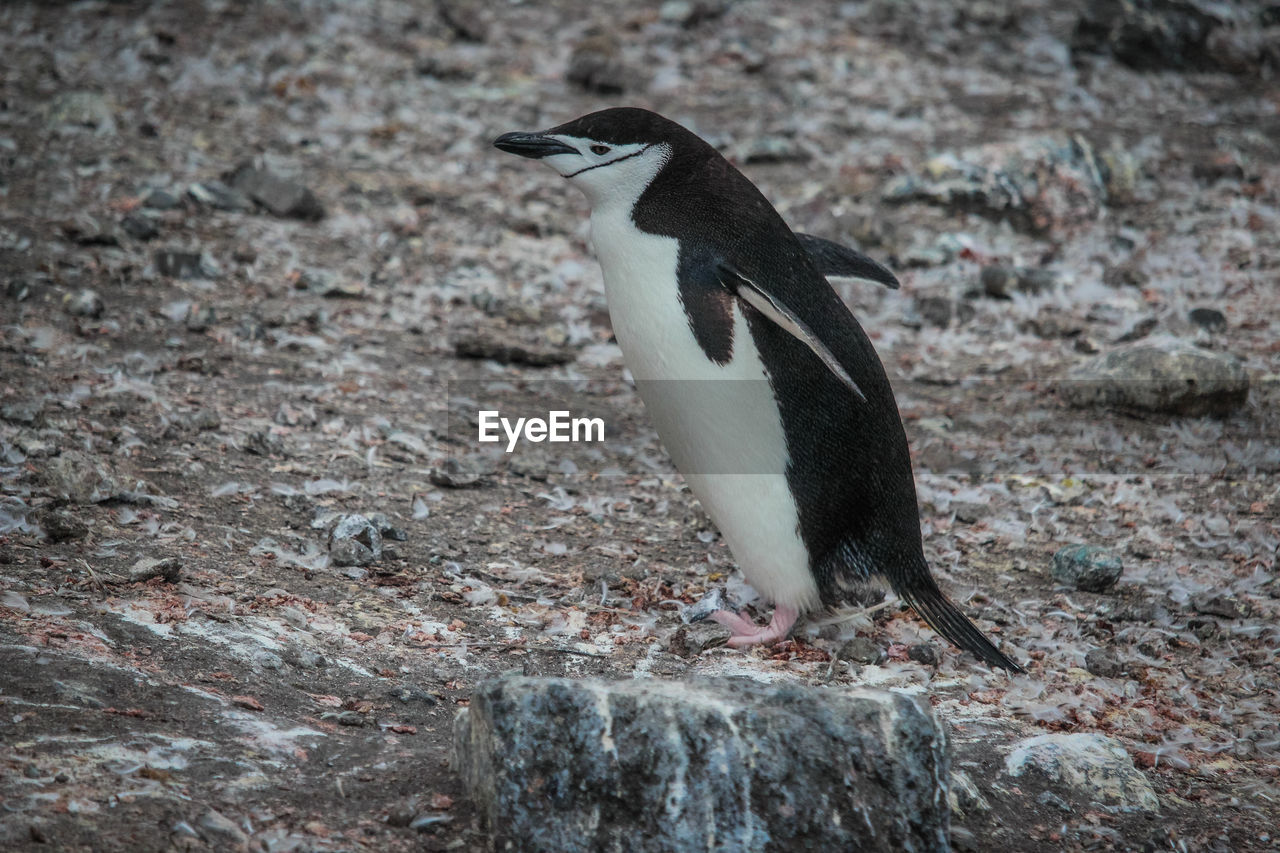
x: 921, y: 591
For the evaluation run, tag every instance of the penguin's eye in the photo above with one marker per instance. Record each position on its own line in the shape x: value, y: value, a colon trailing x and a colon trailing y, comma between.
x: 600, y: 150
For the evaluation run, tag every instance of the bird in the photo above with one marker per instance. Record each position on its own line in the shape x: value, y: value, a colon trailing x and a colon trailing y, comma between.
x: 763, y: 387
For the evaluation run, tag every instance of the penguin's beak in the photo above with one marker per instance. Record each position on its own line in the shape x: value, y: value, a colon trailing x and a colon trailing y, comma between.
x: 532, y: 145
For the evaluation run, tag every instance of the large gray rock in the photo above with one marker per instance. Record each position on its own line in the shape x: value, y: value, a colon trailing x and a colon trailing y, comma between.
x: 1038, y: 184
x: 1196, y: 35
x: 724, y: 764
x: 1161, y: 376
x: 1093, y: 768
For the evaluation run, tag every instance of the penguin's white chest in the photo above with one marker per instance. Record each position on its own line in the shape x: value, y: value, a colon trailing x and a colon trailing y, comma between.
x: 719, y: 422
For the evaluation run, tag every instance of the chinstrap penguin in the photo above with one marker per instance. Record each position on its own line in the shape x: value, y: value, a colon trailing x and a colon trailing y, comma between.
x: 763, y: 387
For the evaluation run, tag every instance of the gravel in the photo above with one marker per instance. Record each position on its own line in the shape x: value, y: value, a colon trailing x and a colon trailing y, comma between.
x: 320, y: 356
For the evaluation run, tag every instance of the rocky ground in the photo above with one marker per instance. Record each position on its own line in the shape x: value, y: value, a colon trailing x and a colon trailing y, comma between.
x: 262, y: 269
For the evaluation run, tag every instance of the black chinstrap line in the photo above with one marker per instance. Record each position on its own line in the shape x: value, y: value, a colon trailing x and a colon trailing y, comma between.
x: 610, y: 162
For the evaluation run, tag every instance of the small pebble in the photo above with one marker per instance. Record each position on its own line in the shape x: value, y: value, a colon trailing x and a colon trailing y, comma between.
x: 923, y: 653
x: 1001, y: 282
x: 689, y: 641
x: 345, y: 718
x: 169, y: 568
x: 1203, y: 627
x: 773, y: 149
x: 1035, y: 280
x: 940, y: 311
x: 27, y: 412
x: 84, y: 303
x: 139, y: 226
x: 860, y: 650
x: 1103, y: 663
x: 402, y: 816
x: 177, y: 264
x: 1049, y: 798
x: 455, y: 473
x: 595, y: 65
x: 1221, y: 166
x: 62, y: 525
x: 1088, y: 568
x: 305, y: 658
x: 1221, y: 605
x: 17, y: 289
x: 264, y: 442
x: 691, y: 14
x: 220, y: 830
x: 279, y: 195
x: 997, y: 280
x: 411, y: 693
x: 386, y: 528
x: 204, y: 420
x: 464, y: 19
x: 161, y: 200
x: 1209, y: 319
x: 1140, y: 329
x: 218, y: 195
x: 200, y: 316
x: 355, y: 541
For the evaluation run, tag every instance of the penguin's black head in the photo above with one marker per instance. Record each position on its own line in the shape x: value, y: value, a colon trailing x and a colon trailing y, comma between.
x: 610, y: 154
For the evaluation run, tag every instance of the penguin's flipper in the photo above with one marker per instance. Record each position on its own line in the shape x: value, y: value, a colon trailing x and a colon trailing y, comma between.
x: 836, y: 261
x: 786, y: 319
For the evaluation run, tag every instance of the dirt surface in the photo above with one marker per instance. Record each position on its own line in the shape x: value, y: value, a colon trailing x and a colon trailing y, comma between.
x: 239, y: 380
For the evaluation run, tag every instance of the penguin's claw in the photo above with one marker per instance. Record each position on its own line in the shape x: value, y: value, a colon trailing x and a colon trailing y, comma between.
x: 748, y: 633
x: 735, y: 623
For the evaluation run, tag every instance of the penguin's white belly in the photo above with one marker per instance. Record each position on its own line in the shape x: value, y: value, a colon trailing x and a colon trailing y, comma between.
x: 720, y: 423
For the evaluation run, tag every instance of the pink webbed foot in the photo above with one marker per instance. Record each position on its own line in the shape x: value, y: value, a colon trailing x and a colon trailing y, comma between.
x: 748, y: 633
